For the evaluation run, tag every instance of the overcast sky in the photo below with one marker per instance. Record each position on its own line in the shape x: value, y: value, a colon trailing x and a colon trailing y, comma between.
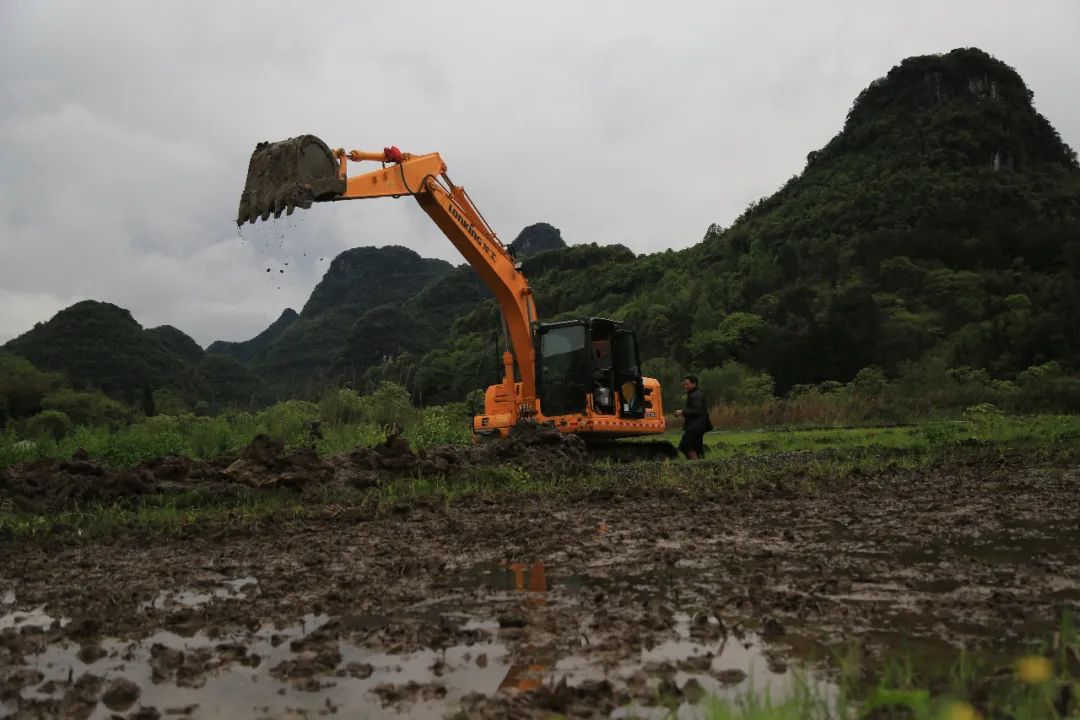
x: 126, y: 127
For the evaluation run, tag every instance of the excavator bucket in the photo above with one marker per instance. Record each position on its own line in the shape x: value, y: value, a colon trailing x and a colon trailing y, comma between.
x: 286, y: 175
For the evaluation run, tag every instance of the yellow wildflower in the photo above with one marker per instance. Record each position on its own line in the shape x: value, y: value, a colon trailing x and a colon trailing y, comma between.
x: 962, y: 711
x: 1034, y: 669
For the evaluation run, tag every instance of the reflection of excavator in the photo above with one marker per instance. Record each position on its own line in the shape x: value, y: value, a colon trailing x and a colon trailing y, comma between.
x: 526, y: 676
x: 582, y: 376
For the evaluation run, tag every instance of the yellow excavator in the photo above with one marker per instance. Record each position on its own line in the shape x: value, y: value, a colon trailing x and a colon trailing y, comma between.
x: 581, y: 376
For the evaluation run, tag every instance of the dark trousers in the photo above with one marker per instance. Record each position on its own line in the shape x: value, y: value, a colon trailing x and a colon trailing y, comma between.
x: 692, y: 441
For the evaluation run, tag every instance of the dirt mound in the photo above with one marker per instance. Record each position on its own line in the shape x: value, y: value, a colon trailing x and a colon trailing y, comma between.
x: 265, y: 463
x: 538, y: 449
x: 44, y: 484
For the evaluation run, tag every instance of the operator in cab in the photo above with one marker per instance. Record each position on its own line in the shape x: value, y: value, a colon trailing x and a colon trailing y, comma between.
x: 695, y: 420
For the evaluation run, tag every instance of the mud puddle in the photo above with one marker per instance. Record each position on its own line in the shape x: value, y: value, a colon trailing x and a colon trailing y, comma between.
x: 195, y: 597
x: 339, y: 665
x: 271, y: 672
x: 31, y: 619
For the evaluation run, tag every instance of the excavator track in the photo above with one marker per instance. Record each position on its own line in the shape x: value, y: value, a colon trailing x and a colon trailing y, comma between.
x: 283, y: 176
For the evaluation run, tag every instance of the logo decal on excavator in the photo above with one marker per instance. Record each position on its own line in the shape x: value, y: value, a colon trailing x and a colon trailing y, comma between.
x: 472, y: 233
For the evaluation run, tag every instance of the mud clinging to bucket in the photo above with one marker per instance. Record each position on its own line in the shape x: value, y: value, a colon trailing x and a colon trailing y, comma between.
x: 288, y: 174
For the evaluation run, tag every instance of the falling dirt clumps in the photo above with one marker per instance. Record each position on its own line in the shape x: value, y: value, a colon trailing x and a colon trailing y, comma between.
x: 266, y: 463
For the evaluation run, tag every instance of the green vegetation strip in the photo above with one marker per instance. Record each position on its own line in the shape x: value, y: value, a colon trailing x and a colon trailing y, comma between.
x: 798, y: 461
x: 982, y: 426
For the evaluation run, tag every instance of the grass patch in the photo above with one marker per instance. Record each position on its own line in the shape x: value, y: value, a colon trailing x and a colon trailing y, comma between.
x: 153, y: 514
x: 1047, y: 431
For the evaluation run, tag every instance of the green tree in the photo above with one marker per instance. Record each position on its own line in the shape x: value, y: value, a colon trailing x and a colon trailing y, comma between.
x: 22, y: 386
x: 737, y: 333
x: 735, y: 383
x: 88, y: 408
x: 51, y: 424
x: 148, y: 401
x: 390, y: 404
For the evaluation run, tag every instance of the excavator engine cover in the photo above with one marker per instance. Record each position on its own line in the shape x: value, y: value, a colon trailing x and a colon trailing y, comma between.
x: 288, y: 174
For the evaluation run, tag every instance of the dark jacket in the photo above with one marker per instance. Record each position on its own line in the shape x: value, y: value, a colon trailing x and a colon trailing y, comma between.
x: 696, y: 412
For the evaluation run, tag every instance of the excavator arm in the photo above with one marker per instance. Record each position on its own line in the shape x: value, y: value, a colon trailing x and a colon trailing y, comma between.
x: 303, y: 170
x: 449, y: 206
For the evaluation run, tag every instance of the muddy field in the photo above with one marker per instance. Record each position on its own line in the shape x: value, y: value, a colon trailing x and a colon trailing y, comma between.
x: 609, y: 604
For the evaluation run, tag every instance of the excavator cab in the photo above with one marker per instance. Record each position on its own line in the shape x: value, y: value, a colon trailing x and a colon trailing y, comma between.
x: 589, y: 366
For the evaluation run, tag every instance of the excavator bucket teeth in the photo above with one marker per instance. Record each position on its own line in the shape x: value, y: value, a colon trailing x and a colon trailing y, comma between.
x: 285, y: 175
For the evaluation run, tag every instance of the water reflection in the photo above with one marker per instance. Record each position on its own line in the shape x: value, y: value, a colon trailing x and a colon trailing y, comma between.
x: 523, y: 677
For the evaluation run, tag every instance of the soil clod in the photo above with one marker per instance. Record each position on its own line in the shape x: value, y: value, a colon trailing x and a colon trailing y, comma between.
x: 121, y: 694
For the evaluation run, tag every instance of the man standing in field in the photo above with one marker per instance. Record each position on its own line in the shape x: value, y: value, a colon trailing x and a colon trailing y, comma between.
x: 696, y: 420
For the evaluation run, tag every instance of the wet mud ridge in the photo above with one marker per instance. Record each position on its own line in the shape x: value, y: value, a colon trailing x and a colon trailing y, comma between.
x: 525, y: 606
x: 49, y: 485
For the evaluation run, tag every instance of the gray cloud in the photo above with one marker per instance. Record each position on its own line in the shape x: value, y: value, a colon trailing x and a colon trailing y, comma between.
x: 125, y: 127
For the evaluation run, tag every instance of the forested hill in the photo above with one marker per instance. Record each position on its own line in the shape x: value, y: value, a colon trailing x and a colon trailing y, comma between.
x: 941, y: 224
x: 537, y: 238
x: 97, y: 346
x: 944, y: 218
x: 245, y: 350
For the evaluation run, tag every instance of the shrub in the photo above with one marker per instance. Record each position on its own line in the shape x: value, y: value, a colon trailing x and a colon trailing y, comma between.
x: 1048, y: 387
x: 735, y: 383
x: 474, y: 402
x: 51, y: 424
x: 14, y: 450
x: 870, y: 382
x: 983, y: 415
x: 22, y: 385
x: 168, y: 402
x: 441, y: 426
x: 342, y: 406
x: 389, y: 405
x: 289, y: 421
x: 668, y: 372
x: 210, y: 437
x: 931, y: 385
x: 131, y: 445
x: 88, y: 408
